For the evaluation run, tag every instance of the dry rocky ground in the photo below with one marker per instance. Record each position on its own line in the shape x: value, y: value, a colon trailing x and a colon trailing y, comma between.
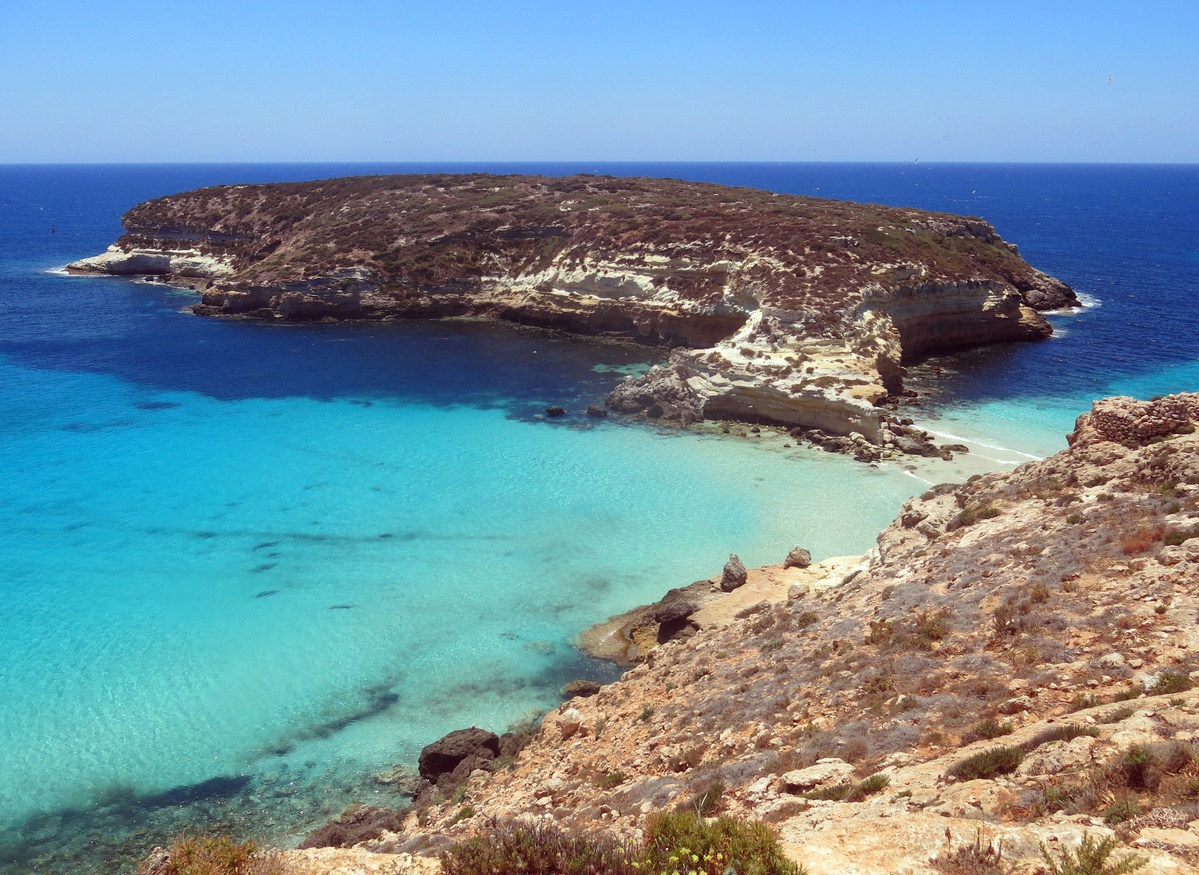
x: 1045, y: 618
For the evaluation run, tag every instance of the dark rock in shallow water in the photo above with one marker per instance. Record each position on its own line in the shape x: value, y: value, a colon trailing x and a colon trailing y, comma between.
x: 596, y: 411
x: 914, y: 446
x: 734, y: 574
x: 357, y: 825
x: 462, y: 750
x: 555, y: 411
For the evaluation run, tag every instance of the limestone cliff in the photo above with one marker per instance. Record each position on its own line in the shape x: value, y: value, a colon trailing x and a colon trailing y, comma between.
x: 786, y: 309
x: 1044, y: 619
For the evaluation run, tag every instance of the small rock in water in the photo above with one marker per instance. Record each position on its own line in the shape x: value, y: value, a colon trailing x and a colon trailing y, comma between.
x: 555, y: 411
x: 734, y: 574
x: 596, y: 411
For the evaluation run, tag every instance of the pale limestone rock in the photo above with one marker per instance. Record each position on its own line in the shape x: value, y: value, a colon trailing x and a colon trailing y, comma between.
x: 826, y: 771
x: 569, y: 722
x: 1111, y: 660
x: 1059, y: 757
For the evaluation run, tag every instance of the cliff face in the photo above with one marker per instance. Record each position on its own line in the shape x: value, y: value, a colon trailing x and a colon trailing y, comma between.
x: 784, y: 308
x: 1049, y: 613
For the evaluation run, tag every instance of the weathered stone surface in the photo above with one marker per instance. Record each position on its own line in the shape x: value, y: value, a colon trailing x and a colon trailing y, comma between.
x: 734, y: 574
x: 673, y: 610
x: 1134, y: 423
x: 825, y: 772
x: 581, y: 688
x: 798, y: 558
x: 472, y: 747
x: 569, y: 721
x: 358, y: 825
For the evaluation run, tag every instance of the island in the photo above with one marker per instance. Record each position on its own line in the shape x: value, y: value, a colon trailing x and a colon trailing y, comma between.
x: 779, y: 309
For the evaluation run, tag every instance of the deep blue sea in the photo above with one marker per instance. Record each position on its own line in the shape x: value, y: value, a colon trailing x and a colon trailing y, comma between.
x: 249, y: 568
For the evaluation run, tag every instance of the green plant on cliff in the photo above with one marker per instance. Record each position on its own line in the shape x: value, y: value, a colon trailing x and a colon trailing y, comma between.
x: 999, y: 760
x: 1091, y: 858
x: 683, y: 843
x: 540, y: 849
x: 675, y: 843
x: 204, y: 854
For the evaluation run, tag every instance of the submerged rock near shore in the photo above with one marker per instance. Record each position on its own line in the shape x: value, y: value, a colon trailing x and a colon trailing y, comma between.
x: 782, y: 309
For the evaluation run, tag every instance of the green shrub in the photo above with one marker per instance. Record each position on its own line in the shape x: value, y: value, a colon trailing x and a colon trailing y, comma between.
x: 706, y: 802
x: 1179, y: 536
x: 1091, y: 858
x: 612, y: 779
x: 1169, y: 682
x: 212, y: 855
x: 850, y: 792
x: 876, y: 783
x: 931, y: 626
x: 1121, y: 811
x: 540, y: 849
x: 993, y: 761
x: 682, y: 843
x: 676, y: 843
x: 986, y: 730
x: 970, y: 516
x: 1137, y: 769
x: 1064, y: 732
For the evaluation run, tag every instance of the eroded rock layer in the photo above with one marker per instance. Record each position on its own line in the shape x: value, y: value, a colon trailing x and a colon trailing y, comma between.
x: 785, y: 309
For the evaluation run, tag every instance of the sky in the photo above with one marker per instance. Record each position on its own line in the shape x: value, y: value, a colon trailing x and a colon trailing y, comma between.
x: 463, y: 80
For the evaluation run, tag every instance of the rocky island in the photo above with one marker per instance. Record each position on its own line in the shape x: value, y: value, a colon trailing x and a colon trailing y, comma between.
x: 778, y: 308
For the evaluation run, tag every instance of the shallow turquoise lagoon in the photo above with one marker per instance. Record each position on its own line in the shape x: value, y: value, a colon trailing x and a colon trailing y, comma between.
x: 202, y: 588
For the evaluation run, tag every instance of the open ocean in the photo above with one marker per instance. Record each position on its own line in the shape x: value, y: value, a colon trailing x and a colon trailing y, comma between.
x: 247, y: 568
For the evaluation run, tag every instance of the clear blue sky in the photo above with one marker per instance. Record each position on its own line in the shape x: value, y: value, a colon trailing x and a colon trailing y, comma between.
x: 836, y: 80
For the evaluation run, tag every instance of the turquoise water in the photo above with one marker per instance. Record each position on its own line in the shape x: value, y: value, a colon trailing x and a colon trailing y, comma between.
x: 247, y: 567
x: 202, y: 583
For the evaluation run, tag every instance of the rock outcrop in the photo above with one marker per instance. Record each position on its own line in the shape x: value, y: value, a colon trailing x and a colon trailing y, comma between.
x: 452, y: 758
x: 781, y: 309
x: 1016, y: 667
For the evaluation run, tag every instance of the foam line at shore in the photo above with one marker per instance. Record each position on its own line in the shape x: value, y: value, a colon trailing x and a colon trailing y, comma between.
x: 955, y: 438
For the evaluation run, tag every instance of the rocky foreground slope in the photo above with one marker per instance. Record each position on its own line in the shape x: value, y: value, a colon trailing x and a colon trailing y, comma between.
x: 1013, y: 666
x: 785, y: 309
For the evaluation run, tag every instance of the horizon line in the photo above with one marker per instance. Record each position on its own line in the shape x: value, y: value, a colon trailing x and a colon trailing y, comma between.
x: 607, y: 162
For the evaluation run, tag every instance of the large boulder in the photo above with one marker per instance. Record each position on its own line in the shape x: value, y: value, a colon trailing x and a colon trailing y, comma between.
x: 734, y: 574
x: 458, y: 754
x: 798, y: 558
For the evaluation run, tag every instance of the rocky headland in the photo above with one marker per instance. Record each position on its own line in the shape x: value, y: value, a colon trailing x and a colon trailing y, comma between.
x: 782, y: 309
x: 1014, y: 667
